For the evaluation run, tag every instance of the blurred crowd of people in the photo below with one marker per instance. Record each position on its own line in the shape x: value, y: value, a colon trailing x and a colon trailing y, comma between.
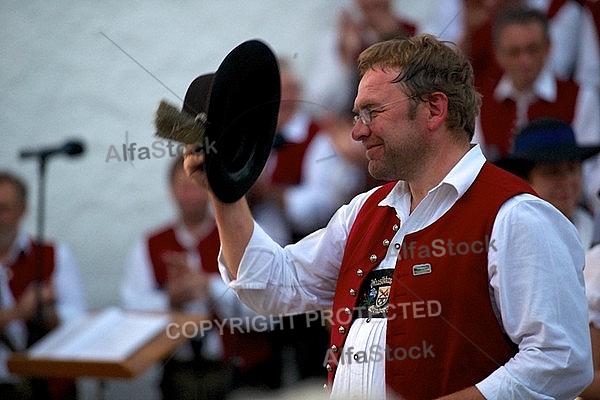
x: 536, y: 64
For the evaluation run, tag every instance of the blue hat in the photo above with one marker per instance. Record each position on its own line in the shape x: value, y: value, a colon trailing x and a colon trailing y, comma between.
x: 544, y: 140
x: 549, y: 140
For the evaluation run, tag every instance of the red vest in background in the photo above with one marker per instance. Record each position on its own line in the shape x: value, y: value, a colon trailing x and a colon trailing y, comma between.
x: 498, y: 118
x: 440, y: 315
x: 166, y: 241
x: 247, y: 349
x: 290, y: 158
x: 24, y: 272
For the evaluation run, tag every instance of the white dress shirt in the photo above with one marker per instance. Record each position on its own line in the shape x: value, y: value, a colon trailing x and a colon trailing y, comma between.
x: 536, y: 286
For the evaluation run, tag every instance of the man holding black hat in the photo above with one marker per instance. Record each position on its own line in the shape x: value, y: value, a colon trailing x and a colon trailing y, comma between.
x: 546, y: 155
x: 441, y: 283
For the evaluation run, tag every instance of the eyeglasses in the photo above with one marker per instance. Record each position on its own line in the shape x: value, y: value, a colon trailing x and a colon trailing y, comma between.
x: 366, y: 115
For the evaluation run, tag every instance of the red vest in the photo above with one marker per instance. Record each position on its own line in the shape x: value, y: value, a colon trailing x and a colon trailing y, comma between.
x: 166, y: 241
x: 290, y: 157
x: 442, y: 333
x: 498, y: 118
x: 24, y: 271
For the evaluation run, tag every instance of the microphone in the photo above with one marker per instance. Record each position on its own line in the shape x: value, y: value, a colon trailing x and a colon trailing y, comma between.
x: 70, y: 148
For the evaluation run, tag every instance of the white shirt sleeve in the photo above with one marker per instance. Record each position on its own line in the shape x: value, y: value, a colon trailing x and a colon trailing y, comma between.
x: 138, y: 287
x: 68, y: 285
x: 592, y: 284
x: 564, y: 33
x: 586, y: 121
x: 536, y: 274
x: 225, y: 301
x: 298, y: 278
x: 586, y: 125
x: 587, y: 67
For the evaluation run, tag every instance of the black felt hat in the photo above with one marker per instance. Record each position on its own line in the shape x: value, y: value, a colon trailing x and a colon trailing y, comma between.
x: 234, y: 112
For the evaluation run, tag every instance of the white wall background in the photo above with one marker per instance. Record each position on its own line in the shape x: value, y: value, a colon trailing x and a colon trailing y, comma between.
x: 62, y: 77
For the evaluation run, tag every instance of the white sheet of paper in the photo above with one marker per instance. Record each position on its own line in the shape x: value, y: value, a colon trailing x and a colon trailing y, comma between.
x: 110, y: 335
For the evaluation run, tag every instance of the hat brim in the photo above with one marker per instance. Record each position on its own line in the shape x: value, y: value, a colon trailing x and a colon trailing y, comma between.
x: 242, y: 119
x: 520, y: 164
x: 560, y: 153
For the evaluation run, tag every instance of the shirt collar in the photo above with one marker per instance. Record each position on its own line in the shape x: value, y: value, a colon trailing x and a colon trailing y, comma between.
x: 456, y: 182
x: 543, y: 88
x: 190, y: 240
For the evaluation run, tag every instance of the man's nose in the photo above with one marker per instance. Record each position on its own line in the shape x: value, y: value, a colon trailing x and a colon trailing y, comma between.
x: 360, y: 131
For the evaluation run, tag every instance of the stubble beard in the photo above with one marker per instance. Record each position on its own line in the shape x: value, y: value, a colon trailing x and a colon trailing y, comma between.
x: 404, y: 161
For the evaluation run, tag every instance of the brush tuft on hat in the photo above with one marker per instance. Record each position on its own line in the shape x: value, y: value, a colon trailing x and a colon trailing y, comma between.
x: 173, y: 124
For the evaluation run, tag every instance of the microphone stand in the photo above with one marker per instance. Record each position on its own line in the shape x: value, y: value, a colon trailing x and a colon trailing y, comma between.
x: 37, y: 327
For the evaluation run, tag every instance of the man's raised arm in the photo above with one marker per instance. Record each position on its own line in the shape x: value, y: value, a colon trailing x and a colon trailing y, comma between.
x: 234, y: 220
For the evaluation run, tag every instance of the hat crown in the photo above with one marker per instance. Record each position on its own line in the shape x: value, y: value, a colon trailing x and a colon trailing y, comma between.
x: 544, y: 134
x: 197, y: 96
x: 550, y: 140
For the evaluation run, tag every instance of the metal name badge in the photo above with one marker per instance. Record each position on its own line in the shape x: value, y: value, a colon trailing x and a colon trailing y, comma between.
x: 421, y: 269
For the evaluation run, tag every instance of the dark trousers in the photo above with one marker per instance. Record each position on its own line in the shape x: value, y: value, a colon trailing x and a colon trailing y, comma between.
x: 195, y: 380
x: 303, y: 343
x: 39, y: 389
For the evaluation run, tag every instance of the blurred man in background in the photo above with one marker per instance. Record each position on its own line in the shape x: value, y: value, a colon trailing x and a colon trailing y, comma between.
x: 40, y: 287
x: 175, y: 268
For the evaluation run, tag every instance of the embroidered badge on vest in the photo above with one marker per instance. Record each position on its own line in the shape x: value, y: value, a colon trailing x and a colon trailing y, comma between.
x: 375, y: 295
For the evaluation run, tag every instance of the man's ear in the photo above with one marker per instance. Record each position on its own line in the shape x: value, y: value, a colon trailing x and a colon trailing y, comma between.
x: 437, y: 110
